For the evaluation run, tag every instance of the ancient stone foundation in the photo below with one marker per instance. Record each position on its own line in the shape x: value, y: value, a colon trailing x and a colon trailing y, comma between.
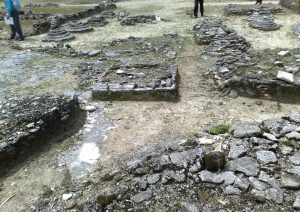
x: 240, y: 70
x: 29, y: 122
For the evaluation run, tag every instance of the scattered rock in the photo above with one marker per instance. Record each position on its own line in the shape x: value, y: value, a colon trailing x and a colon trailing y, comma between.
x: 246, y: 165
x: 230, y: 190
x: 246, y: 131
x: 275, y: 195
x: 266, y: 157
x: 67, y: 196
x: 207, y: 176
x: 142, y: 196
x: 290, y: 181
x: 285, y: 76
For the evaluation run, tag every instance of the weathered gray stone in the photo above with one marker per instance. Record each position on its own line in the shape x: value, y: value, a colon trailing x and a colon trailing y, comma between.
x: 257, y: 185
x: 285, y: 150
x: 246, y: 165
x: 195, y: 167
x: 241, y: 183
x: 140, y: 183
x: 186, y: 158
x: 270, y: 137
x: 290, y: 181
x: 265, y: 177
x: 275, y: 195
x: 133, y: 165
x: 238, y: 148
x: 258, y: 195
x: 229, y: 177
x: 207, y: 176
x: 266, y: 157
x: 189, y: 207
x: 295, y: 159
x: 296, y: 204
x: 154, y: 178
x: 293, y: 136
x: 168, y: 175
x: 285, y: 76
x: 289, y: 128
x: 260, y: 141
x: 246, y: 131
x: 180, y: 176
x: 294, y: 170
x: 230, y: 190
x: 142, y: 196
x: 293, y: 117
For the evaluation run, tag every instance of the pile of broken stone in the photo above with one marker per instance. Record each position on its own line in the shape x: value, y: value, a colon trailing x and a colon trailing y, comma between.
x: 132, y: 66
x: 238, y: 68
x: 24, y: 120
x: 60, y: 25
x: 235, y: 9
x: 254, y: 163
x: 261, y: 18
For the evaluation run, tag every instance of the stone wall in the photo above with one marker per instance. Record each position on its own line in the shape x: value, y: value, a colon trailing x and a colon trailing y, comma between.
x: 291, y: 4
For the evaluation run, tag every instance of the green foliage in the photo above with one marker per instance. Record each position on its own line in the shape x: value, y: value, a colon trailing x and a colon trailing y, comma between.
x: 219, y: 129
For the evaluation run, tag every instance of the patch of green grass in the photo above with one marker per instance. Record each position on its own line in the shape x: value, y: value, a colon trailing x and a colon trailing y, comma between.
x: 219, y: 129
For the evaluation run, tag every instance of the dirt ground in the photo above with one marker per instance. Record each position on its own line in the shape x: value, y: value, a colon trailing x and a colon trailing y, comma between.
x: 138, y: 124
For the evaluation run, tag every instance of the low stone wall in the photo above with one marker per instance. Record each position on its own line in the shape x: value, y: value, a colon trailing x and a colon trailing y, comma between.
x: 251, y: 166
x: 239, y: 10
x: 239, y: 70
x: 293, y: 5
x: 27, y: 123
x: 133, y: 69
x: 55, y: 21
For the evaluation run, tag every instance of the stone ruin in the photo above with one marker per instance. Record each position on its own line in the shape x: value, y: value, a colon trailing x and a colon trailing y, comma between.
x: 55, y: 21
x: 24, y: 121
x: 97, y: 21
x: 263, y: 21
x: 233, y: 168
x: 29, y: 15
x: 79, y: 27
x: 31, y: 5
x: 133, y: 69
x: 293, y: 5
x: 235, y: 9
x: 132, y: 20
x: 241, y: 71
x: 58, y: 35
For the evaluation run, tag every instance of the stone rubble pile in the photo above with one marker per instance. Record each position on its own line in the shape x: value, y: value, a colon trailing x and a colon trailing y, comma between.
x: 235, y: 9
x: 58, y: 35
x: 238, y: 69
x: 79, y: 27
x: 97, y: 21
x: 55, y: 21
x: 263, y: 21
x: 29, y: 15
x: 26, y: 120
x: 132, y: 20
x: 133, y: 68
x: 32, y: 5
x: 252, y: 167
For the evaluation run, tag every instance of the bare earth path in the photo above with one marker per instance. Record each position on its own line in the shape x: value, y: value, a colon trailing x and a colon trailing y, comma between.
x: 138, y: 124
